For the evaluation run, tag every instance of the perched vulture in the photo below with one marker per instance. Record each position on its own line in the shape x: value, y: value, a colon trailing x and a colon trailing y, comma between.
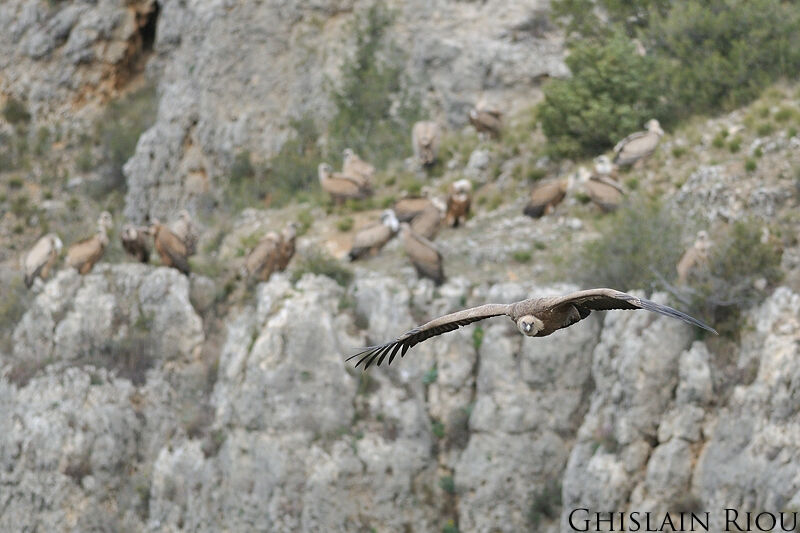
x: 407, y: 208
x: 340, y: 187
x: 423, y: 254
x: 696, y: 255
x: 185, y: 229
x: 428, y: 222
x: 135, y: 242
x: 545, y: 196
x: 639, y: 145
x: 605, y: 192
x: 425, y: 138
x: 357, y: 169
x: 288, y: 237
x: 458, y: 202
x: 41, y: 258
x: 534, y: 317
x: 83, y: 255
x: 486, y: 121
x: 170, y: 247
x: 264, y: 259
x: 372, y: 238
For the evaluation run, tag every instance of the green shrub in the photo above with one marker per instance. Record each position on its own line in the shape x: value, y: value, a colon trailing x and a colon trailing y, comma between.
x: 12, y: 307
x: 750, y: 164
x: 15, y: 112
x: 374, y: 109
x: 477, y: 337
x: 639, y: 244
x: 447, y: 484
x: 430, y: 376
x: 719, y: 139
x: 304, y: 219
x: 764, y: 129
x: 611, y: 93
x: 545, y: 504
x: 678, y: 151
x: 293, y: 169
x: 318, y: 262
x: 727, y: 285
x: 437, y: 428
x: 522, y: 256
x: 450, y: 527
x: 735, y: 144
x: 15, y: 182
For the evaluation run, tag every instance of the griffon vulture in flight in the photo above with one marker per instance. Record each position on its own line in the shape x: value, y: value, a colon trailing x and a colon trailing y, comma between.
x: 170, y: 247
x: 423, y: 254
x: 427, y: 222
x: 425, y: 138
x: 487, y: 121
x: 357, y: 169
x: 458, y: 202
x: 534, y: 317
x: 41, y: 258
x: 373, y: 237
x: 135, y: 242
x: 83, y: 255
x: 184, y: 228
x: 545, y: 196
x: 339, y: 186
x: 639, y: 145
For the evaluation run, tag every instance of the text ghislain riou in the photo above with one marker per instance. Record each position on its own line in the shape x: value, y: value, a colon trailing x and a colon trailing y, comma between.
x: 735, y: 520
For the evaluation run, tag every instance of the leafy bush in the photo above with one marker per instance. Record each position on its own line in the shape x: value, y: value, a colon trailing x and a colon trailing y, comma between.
x: 15, y: 112
x: 545, y: 504
x: 12, y: 307
x: 739, y: 274
x: 612, y: 92
x: 447, y: 484
x: 374, y: 109
x: 639, y: 245
x: 318, y: 262
x: 294, y: 169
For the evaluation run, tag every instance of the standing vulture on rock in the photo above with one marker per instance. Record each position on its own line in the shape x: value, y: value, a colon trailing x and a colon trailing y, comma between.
x: 41, y: 258
x: 487, y: 121
x: 545, y: 196
x: 357, y: 169
x: 534, y: 317
x: 425, y: 138
x: 639, y: 145
x: 693, y: 257
x: 83, y: 255
x: 185, y: 229
x: 264, y: 259
x: 428, y: 222
x: 288, y: 237
x: 170, y: 247
x: 339, y: 186
x: 407, y: 208
x: 135, y: 242
x: 423, y: 254
x: 459, y: 200
x: 372, y: 238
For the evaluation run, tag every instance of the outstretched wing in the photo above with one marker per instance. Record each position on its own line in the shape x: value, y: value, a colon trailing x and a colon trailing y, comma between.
x: 440, y: 325
x: 608, y: 299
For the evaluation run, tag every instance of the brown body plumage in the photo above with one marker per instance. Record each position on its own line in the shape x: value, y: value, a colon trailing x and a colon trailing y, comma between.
x: 264, y: 259
x: 171, y: 249
x: 459, y: 201
x: 41, y: 258
x: 372, y: 238
x: 534, y: 317
x: 488, y: 121
x: 429, y: 220
x: 545, y: 197
x: 83, y: 255
x: 287, y: 248
x: 639, y: 145
x: 136, y: 242
x: 425, y: 138
x: 423, y: 254
x: 339, y: 186
x: 694, y: 257
x: 185, y: 229
x: 407, y: 208
x: 357, y: 169
x: 606, y: 193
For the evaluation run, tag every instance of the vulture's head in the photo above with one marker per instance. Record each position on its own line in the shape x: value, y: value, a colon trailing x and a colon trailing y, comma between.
x: 603, y: 165
x: 347, y: 153
x: 654, y: 127
x: 439, y: 204
x: 529, y: 325
x: 389, y: 219
x: 57, y: 244
x: 463, y: 186
x: 105, y: 222
x: 324, y: 171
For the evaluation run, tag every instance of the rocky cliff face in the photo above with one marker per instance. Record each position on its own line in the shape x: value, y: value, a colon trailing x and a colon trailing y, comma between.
x: 111, y: 421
